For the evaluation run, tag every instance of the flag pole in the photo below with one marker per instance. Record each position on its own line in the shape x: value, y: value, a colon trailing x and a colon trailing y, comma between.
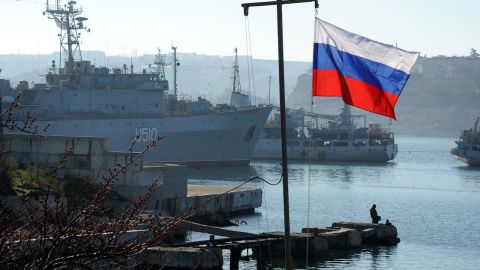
x: 281, y: 82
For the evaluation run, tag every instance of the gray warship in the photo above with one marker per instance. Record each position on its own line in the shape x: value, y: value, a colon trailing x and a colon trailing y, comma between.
x: 468, y: 146
x: 339, y: 140
x: 81, y: 99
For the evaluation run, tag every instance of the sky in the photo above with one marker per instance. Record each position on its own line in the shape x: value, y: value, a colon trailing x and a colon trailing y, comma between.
x: 216, y: 27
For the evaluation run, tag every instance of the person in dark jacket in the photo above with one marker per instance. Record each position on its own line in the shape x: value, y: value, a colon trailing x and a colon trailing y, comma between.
x: 373, y: 214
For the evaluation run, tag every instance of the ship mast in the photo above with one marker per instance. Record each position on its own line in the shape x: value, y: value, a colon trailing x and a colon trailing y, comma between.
x: 236, y: 74
x: 175, y: 64
x: 160, y: 64
x: 269, y: 85
x: 70, y: 23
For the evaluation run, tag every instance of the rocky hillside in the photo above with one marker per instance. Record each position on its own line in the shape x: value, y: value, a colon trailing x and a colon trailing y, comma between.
x: 209, y: 76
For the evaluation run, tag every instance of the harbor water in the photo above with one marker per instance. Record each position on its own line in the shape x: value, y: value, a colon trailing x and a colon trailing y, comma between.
x: 433, y: 199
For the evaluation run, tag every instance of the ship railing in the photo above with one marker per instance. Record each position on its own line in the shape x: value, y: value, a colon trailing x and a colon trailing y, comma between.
x: 57, y: 8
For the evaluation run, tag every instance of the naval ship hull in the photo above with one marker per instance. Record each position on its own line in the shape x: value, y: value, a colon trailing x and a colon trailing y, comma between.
x: 210, y: 139
x: 270, y: 149
x: 469, y: 157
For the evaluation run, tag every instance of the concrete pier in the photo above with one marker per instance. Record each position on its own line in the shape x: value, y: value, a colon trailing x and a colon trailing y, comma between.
x: 373, y: 233
x: 239, y: 201
x: 91, y: 159
x: 317, y: 241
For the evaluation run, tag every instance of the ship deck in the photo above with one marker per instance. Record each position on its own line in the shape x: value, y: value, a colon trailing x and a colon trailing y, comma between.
x: 205, y: 190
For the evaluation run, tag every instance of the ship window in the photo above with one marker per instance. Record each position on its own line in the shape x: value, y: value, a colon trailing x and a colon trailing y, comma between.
x: 360, y: 143
x: 340, y: 143
x: 293, y: 143
x: 312, y: 143
x: 249, y: 134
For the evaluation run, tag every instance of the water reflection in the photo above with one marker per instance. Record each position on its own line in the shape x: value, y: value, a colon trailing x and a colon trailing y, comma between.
x: 371, y: 257
x: 344, y: 174
x: 380, y: 255
x: 470, y: 176
x: 466, y: 168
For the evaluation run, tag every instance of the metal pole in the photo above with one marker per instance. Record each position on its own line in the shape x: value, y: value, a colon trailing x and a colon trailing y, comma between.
x: 174, y: 71
x: 2, y: 149
x: 269, y: 85
x: 283, y: 123
x: 235, y: 67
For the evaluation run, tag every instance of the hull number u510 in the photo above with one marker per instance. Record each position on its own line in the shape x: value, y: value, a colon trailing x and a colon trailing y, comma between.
x: 145, y: 134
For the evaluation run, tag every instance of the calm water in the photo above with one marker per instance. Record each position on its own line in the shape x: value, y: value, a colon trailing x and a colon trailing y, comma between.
x: 433, y: 200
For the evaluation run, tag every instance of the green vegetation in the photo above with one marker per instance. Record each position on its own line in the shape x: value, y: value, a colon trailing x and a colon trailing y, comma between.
x: 7, y: 164
x: 34, y: 181
x: 31, y: 180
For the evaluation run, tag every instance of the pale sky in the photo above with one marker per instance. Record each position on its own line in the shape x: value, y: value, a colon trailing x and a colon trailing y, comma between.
x: 215, y: 27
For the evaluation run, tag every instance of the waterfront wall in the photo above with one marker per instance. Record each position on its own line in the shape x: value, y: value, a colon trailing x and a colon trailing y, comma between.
x: 91, y: 159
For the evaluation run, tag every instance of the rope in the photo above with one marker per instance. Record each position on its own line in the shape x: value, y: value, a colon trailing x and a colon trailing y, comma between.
x: 247, y: 46
x: 251, y: 62
x: 252, y: 86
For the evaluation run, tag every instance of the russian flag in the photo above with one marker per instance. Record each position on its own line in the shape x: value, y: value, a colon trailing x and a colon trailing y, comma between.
x: 367, y: 74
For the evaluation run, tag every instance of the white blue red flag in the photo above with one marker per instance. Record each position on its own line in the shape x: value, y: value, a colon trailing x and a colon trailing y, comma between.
x: 367, y: 74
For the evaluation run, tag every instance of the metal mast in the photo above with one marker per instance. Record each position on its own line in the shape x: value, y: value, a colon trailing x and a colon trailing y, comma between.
x: 281, y: 77
x: 67, y: 19
x: 236, y: 73
x: 175, y: 64
x: 269, y: 86
x: 160, y: 64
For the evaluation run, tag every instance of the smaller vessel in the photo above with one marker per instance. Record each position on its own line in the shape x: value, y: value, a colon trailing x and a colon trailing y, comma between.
x: 339, y: 140
x: 468, y: 146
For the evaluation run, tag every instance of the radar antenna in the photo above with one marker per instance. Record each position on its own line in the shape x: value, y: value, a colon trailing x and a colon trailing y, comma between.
x: 160, y: 64
x: 67, y: 18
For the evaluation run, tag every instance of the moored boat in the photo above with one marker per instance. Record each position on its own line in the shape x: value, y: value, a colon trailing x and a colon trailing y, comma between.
x: 339, y: 140
x: 468, y: 146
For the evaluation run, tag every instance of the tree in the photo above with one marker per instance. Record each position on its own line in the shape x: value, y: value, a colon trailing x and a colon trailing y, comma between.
x: 44, y: 232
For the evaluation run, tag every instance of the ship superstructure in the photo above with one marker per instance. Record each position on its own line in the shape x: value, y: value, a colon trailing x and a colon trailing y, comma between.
x: 81, y: 99
x: 468, y: 146
x: 339, y: 140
